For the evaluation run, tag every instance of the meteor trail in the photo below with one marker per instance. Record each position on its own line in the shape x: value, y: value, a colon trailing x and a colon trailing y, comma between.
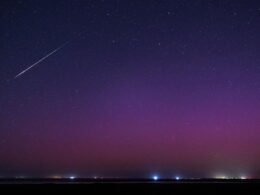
x: 39, y: 61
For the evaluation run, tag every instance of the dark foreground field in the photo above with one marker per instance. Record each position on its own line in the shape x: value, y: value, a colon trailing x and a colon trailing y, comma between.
x: 48, y: 186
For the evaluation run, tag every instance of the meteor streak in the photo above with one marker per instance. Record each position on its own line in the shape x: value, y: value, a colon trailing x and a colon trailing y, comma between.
x: 42, y: 59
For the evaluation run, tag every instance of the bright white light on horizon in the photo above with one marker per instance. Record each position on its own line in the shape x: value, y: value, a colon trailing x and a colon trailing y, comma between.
x: 155, y: 177
x: 72, y: 177
x: 177, y: 178
x: 242, y: 177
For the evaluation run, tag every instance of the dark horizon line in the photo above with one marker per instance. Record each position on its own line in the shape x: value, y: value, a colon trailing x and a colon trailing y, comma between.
x: 118, y: 178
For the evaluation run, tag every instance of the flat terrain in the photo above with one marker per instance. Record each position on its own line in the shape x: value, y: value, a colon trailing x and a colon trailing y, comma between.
x: 129, y: 186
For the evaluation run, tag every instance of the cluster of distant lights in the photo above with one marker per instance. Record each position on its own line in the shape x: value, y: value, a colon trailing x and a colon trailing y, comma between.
x: 154, y: 177
x: 226, y: 177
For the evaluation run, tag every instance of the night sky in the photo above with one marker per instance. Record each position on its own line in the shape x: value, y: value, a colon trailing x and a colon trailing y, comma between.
x: 140, y: 88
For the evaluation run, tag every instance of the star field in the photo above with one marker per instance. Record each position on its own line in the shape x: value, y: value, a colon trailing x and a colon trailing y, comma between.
x: 143, y: 88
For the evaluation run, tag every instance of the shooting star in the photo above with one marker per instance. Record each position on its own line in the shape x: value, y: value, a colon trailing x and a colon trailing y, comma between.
x: 42, y: 59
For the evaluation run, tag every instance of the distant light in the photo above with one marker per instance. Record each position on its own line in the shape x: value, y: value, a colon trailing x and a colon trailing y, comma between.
x: 19, y: 177
x: 72, y: 177
x: 221, y: 177
x: 56, y: 177
x: 177, y: 178
x: 243, y: 177
x: 155, y: 177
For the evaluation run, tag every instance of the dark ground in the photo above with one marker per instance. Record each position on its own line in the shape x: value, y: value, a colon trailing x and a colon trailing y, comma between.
x: 248, y: 187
